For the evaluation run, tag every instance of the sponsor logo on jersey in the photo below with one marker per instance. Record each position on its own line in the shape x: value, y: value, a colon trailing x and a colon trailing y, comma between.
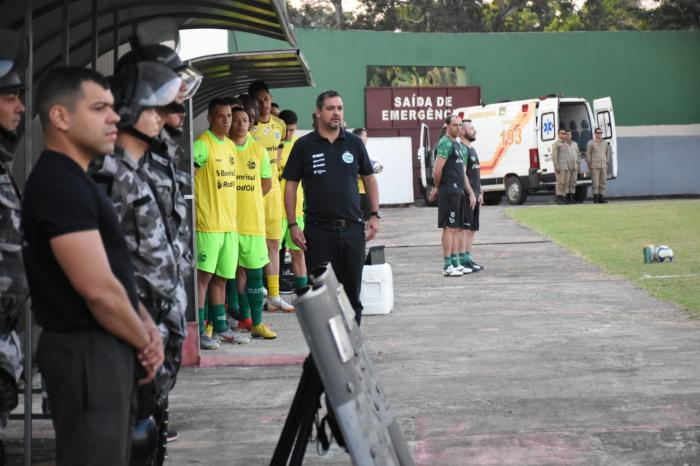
x: 251, y: 164
x: 348, y: 157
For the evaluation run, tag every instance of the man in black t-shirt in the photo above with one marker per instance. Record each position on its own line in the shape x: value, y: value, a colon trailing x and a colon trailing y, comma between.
x: 328, y: 161
x: 81, y: 282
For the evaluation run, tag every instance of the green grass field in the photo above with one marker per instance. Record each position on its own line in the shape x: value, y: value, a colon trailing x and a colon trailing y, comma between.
x: 613, y: 235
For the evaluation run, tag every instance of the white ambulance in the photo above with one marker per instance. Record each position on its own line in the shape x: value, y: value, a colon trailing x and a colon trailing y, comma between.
x: 514, y: 143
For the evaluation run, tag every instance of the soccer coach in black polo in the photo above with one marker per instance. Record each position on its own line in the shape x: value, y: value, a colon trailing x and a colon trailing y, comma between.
x: 328, y: 161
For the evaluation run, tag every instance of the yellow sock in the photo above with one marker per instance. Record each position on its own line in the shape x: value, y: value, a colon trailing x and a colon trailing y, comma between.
x: 273, y: 285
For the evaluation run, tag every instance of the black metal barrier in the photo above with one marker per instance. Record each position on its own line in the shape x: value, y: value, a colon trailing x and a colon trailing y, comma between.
x: 341, y: 366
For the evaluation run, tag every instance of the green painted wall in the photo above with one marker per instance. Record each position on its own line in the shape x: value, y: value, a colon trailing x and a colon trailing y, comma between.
x: 652, y: 77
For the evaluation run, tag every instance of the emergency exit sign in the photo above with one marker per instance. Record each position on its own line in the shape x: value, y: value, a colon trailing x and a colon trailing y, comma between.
x: 408, y: 107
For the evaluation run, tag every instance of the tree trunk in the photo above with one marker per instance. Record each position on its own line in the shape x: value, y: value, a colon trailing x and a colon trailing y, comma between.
x: 339, y: 16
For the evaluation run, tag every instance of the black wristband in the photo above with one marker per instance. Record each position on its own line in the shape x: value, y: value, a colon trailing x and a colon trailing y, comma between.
x: 293, y: 224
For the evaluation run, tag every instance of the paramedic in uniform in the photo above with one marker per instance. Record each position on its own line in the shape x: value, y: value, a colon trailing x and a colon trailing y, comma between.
x: 561, y: 166
x: 327, y: 161
x: 598, y: 157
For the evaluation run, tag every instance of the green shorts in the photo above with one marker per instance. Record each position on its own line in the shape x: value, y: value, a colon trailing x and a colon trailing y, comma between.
x: 252, y: 252
x: 288, y: 243
x: 217, y: 253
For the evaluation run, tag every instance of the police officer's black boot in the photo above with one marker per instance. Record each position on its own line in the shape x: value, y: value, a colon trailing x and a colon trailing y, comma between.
x: 570, y: 198
x: 595, y: 198
x: 601, y: 199
x: 560, y: 200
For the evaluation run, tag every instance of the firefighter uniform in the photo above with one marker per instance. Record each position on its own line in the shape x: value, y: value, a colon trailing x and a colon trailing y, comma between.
x: 598, y: 157
x: 560, y: 157
x: 574, y: 166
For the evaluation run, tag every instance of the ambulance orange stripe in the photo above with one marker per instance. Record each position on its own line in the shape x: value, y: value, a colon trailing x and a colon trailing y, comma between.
x: 488, y: 166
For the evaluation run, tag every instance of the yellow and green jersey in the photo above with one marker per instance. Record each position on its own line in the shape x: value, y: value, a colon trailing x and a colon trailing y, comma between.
x: 360, y: 185
x: 270, y: 136
x: 215, y: 183
x: 286, y: 150
x: 252, y: 164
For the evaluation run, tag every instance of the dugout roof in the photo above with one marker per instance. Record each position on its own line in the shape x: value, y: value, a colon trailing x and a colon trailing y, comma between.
x: 229, y: 74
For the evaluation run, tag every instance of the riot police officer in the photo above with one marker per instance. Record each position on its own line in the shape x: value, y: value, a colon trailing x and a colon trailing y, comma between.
x: 163, y: 164
x: 13, y: 281
x: 140, y: 90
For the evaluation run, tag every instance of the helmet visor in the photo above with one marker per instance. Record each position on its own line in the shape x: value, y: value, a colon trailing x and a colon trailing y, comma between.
x: 5, y: 66
x: 191, y: 79
x: 157, y: 85
x: 13, y: 52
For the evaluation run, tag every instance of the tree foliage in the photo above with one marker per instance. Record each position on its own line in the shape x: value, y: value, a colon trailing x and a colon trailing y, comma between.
x: 319, y: 14
x: 531, y: 15
x: 675, y: 14
x: 497, y: 15
x: 421, y: 15
x: 612, y: 15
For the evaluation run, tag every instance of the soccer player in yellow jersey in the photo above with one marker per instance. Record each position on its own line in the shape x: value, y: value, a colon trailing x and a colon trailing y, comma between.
x: 364, y: 204
x: 298, y: 261
x: 215, y: 207
x: 269, y: 132
x: 253, y: 181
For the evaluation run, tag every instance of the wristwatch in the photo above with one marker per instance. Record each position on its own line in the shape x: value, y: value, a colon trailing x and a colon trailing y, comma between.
x: 375, y: 213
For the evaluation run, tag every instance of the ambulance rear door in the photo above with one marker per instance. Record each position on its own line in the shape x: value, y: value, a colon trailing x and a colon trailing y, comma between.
x: 547, y: 127
x: 425, y: 159
x: 605, y: 120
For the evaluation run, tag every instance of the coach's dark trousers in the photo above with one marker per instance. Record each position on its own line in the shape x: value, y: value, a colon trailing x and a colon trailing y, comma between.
x: 90, y: 378
x: 342, y: 243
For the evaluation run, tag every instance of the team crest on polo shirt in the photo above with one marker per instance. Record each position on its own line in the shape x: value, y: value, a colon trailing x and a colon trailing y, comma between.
x: 348, y: 157
x: 251, y: 164
x: 266, y: 131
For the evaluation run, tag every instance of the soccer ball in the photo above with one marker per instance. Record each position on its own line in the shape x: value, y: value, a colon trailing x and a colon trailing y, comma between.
x: 664, y: 253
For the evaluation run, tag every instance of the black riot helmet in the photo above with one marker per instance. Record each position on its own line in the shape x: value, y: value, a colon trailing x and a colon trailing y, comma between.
x: 142, y: 85
x: 191, y: 78
x: 13, y: 60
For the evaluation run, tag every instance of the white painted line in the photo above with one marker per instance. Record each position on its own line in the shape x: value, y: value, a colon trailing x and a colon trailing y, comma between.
x: 660, y: 277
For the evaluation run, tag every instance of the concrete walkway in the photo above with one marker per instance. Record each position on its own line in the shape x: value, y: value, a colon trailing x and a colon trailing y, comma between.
x: 541, y: 359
